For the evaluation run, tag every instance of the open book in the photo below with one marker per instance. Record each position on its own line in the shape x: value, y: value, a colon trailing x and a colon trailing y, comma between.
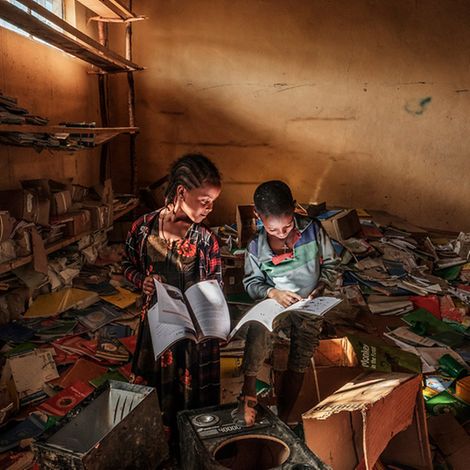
x: 201, y: 312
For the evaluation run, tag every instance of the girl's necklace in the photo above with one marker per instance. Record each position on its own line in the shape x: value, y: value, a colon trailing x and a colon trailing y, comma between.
x: 162, y: 231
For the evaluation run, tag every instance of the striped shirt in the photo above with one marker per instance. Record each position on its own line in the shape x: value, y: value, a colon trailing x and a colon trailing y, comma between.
x: 312, y: 259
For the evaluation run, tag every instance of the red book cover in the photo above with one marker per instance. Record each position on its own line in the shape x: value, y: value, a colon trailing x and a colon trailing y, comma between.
x: 61, y: 403
x: 83, y: 371
x: 429, y: 303
x: 130, y: 343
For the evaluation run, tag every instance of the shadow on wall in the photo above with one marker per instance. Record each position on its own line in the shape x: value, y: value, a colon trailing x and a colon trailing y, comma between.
x: 249, y: 154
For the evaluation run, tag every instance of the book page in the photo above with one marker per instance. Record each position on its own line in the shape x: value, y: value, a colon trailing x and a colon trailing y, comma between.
x: 169, y: 319
x: 264, y: 312
x: 268, y: 310
x: 318, y: 306
x: 208, y: 305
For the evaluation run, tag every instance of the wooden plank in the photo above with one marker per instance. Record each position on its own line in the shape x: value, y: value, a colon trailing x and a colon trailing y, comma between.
x: 109, y: 9
x: 30, y: 128
x: 75, y: 43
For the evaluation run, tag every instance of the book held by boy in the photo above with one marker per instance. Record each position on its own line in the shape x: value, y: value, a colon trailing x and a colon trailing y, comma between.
x: 202, y: 313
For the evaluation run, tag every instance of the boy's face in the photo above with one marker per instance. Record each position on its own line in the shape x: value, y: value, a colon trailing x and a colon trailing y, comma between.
x: 278, y: 226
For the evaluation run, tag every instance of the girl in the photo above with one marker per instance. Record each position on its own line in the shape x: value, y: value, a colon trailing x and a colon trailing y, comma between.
x: 173, y: 246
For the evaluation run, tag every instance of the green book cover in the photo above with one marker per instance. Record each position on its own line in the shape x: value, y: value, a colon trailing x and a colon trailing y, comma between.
x: 374, y: 354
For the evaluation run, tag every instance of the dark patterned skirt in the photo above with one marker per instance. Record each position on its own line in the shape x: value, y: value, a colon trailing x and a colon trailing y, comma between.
x: 186, y: 376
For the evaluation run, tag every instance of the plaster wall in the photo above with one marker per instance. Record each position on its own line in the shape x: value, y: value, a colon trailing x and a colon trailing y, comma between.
x: 360, y: 103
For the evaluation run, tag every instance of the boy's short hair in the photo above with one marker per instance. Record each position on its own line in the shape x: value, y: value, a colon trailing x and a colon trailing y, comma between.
x: 273, y: 198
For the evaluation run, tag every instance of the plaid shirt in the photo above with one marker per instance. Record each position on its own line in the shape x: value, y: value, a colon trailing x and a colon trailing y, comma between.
x: 137, y: 264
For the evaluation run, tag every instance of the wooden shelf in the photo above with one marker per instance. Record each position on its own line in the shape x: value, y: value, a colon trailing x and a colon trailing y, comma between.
x: 56, y: 246
x: 101, y: 134
x: 119, y: 214
x: 110, y: 10
x: 66, y: 38
x: 17, y: 262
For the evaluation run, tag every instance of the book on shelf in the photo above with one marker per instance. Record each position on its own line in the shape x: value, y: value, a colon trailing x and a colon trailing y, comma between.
x: 201, y: 312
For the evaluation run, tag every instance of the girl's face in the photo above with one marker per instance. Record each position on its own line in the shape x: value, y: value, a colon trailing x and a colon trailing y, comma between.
x: 197, y: 203
x: 279, y: 226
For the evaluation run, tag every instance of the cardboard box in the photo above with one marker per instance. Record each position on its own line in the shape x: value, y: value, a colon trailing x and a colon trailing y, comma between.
x: 79, y: 192
x: 105, y: 191
x: 246, y: 224
x: 39, y: 186
x: 61, y: 202
x: 343, y: 225
x: 22, y: 204
x: 6, y: 225
x: 333, y: 365
x: 101, y: 214
x: 80, y: 222
x: 337, y: 361
x: 357, y: 425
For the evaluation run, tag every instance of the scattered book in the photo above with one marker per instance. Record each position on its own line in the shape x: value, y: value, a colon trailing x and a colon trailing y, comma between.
x: 67, y: 399
x: 100, y: 316
x: 83, y: 371
x: 111, y: 349
x: 106, y: 377
x: 29, y: 428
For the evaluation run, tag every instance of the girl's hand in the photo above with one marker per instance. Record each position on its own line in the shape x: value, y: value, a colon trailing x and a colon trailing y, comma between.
x: 284, y: 297
x: 149, y: 285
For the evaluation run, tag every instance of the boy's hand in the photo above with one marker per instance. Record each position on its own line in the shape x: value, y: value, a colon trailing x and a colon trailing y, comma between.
x: 317, y: 291
x: 149, y: 286
x: 284, y: 297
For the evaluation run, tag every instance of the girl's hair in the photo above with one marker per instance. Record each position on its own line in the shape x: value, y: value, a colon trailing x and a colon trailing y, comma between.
x: 274, y: 198
x: 191, y: 171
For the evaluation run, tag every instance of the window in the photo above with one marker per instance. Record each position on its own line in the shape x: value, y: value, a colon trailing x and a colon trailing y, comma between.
x: 55, y: 6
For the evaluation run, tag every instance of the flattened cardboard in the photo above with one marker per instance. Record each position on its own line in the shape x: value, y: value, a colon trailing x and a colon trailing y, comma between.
x: 354, y: 425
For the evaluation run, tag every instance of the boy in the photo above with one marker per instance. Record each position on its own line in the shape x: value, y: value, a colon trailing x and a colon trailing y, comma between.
x: 290, y: 258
